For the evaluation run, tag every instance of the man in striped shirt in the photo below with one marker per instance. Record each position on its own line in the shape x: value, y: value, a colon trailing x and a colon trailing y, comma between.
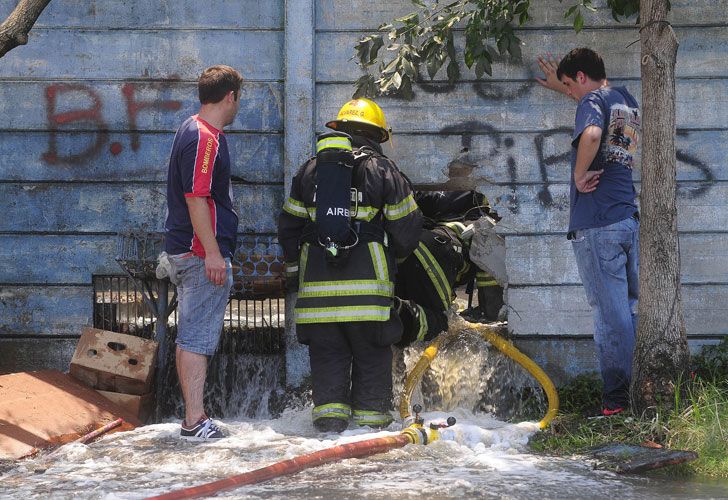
x: 201, y: 229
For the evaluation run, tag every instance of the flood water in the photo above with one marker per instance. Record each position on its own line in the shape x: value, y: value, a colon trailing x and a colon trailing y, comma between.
x: 479, y: 457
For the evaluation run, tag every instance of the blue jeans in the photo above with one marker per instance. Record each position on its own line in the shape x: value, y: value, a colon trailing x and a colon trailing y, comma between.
x: 608, y: 262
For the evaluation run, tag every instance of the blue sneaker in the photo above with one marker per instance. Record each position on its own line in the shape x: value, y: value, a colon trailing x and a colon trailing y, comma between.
x: 204, y: 430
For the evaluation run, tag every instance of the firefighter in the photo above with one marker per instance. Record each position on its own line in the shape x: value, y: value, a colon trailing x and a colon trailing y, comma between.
x: 426, y: 280
x: 350, y: 214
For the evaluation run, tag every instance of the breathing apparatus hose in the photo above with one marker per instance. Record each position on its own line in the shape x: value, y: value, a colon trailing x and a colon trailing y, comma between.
x: 488, y: 333
x: 416, y: 434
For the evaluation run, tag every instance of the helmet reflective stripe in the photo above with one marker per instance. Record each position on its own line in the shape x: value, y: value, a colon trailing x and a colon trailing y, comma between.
x: 367, y: 417
x: 401, y: 209
x: 295, y: 207
x: 379, y: 261
x: 435, y: 272
x: 346, y: 288
x: 332, y: 410
x: 342, y: 313
x: 333, y: 143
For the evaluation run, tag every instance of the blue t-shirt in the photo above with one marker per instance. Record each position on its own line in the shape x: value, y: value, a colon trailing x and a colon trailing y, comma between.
x: 616, y: 112
x: 199, y: 166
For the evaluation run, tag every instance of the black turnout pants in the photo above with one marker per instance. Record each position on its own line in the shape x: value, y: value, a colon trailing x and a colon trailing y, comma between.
x: 351, y: 363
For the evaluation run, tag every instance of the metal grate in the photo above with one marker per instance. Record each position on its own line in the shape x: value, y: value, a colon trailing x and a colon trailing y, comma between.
x: 258, y: 268
x: 256, y: 325
x: 119, y: 306
x: 137, y: 253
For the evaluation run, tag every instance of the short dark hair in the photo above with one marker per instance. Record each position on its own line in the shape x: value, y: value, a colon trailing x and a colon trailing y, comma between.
x: 585, y: 60
x: 216, y: 81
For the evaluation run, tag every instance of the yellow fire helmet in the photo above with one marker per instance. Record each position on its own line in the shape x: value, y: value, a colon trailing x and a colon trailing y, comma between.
x: 365, y: 112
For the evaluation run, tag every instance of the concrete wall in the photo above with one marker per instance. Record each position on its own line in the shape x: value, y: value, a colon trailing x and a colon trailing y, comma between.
x: 509, y: 137
x: 91, y: 105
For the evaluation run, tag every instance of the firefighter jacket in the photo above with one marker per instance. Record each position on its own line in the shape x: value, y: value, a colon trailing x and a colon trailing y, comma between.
x: 442, y: 251
x: 361, y: 287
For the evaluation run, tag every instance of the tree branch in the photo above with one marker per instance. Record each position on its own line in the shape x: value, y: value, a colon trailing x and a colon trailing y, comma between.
x: 14, y: 30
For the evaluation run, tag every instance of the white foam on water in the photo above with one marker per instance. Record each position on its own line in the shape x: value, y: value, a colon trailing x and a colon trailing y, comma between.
x: 479, y: 456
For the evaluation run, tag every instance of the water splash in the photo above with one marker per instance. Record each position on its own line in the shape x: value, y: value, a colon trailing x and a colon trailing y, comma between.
x: 469, y: 373
x: 239, y: 384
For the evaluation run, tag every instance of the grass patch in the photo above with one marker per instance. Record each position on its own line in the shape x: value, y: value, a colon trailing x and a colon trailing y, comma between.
x: 698, y: 421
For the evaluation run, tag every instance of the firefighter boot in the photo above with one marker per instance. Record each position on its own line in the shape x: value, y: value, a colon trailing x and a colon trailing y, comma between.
x: 331, y: 424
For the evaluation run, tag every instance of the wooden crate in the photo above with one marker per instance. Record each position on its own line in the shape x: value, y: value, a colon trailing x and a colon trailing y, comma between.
x: 115, y: 362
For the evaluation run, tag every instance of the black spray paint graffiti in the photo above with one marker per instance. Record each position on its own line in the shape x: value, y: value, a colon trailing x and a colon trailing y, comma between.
x: 462, y: 168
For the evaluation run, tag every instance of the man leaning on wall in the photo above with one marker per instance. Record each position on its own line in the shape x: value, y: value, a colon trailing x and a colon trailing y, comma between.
x: 603, y: 216
x: 201, y: 230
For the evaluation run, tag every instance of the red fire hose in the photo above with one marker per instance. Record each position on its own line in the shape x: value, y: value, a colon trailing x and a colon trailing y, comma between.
x: 350, y: 450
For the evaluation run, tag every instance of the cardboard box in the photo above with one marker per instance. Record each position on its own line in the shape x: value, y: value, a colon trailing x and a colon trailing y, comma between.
x: 48, y: 408
x: 142, y: 407
x: 114, y: 362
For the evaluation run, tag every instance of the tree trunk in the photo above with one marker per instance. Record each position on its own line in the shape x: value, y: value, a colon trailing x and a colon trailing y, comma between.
x: 661, y: 355
x: 14, y: 31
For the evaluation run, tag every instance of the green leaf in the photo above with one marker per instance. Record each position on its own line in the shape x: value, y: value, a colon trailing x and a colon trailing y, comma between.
x: 391, y: 67
x: 453, y: 71
x: 419, y: 3
x: 578, y: 22
x: 362, y: 49
x: 406, y: 89
x: 469, y: 58
x: 514, y: 47
x: 397, y: 80
x: 480, y: 67
x: 434, y: 64
x: 409, y: 68
x: 411, y: 18
x: 570, y: 11
x: 502, y: 45
x: 377, y: 44
x: 363, y: 87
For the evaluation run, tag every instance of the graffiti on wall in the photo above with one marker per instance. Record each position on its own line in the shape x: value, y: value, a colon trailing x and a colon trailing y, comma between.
x: 464, y: 171
x: 92, y: 116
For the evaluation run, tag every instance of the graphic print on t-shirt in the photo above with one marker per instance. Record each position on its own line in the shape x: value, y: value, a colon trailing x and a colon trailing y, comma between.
x: 622, y: 135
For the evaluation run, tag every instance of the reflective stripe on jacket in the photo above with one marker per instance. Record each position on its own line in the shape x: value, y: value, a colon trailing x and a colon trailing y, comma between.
x: 360, y: 287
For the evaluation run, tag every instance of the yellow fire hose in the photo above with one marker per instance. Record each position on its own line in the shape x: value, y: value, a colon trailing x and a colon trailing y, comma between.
x: 488, y: 333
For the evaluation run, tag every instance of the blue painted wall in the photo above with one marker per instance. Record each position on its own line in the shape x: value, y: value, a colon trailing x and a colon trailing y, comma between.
x: 91, y: 104
x: 91, y: 107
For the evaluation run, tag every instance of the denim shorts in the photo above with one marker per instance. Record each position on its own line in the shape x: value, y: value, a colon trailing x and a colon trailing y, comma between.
x: 201, y: 304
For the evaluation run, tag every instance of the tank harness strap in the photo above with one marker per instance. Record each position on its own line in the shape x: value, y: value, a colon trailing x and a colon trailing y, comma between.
x: 366, y: 232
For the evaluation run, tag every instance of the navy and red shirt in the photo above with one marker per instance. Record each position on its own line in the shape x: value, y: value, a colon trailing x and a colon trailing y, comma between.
x: 199, y: 166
